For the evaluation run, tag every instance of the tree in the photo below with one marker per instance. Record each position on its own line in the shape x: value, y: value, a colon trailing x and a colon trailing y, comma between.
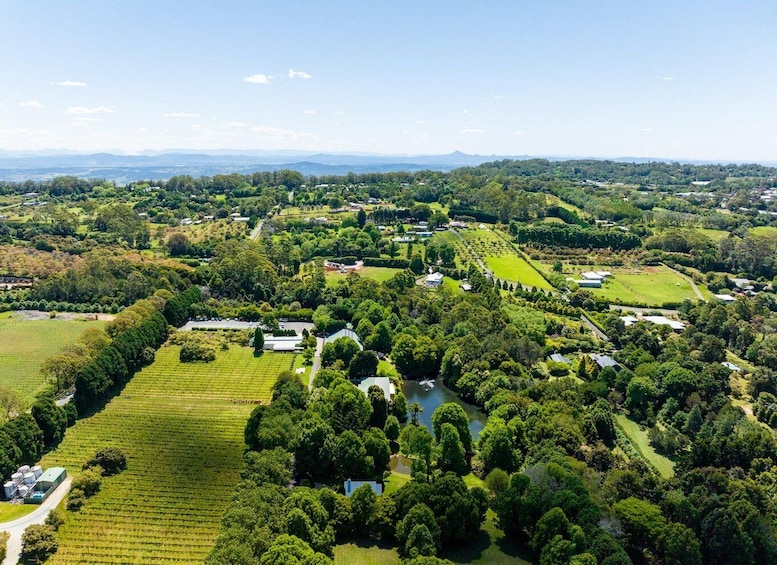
x: 258, y: 340
x: 417, y: 442
x: 11, y: 403
x: 379, y: 406
x: 420, y: 542
x: 38, y: 543
x: 289, y: 387
x: 420, y: 514
x: 643, y: 524
x: 51, y: 419
x: 27, y: 435
x: 351, y: 409
x: 363, y: 364
x: 111, y: 460
x: 415, y: 409
x: 314, y: 455
x: 361, y: 218
x: 417, y: 264
x: 363, y: 505
x: 496, y: 446
x: 290, y: 550
x: 377, y: 447
x: 351, y: 457
x: 453, y: 413
x: 451, y: 451
x: 178, y: 244
x: 88, y: 482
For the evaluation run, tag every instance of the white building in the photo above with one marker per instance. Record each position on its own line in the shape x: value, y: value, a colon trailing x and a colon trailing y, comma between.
x: 433, y: 280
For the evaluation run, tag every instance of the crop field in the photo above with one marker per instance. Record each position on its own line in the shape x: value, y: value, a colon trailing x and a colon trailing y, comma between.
x: 181, y: 427
x: 26, y: 344
x: 504, y: 261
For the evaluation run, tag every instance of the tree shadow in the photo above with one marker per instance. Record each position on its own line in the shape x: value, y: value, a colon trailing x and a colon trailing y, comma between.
x: 472, y: 551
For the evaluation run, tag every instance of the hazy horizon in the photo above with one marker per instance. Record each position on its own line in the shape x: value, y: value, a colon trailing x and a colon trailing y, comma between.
x: 660, y: 80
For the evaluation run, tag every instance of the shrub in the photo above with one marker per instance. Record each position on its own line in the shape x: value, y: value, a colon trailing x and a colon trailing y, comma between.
x: 88, y: 482
x: 75, y: 500
x: 38, y: 543
x: 112, y: 461
x: 193, y: 351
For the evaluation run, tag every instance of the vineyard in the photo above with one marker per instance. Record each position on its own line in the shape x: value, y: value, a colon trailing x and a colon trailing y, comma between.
x: 181, y: 427
x: 26, y: 344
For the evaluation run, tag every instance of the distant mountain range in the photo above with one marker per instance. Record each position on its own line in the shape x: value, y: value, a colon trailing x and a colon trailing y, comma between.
x: 156, y: 165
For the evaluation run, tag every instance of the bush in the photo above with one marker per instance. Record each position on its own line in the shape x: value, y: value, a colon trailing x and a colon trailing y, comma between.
x: 112, y: 461
x: 88, y: 482
x: 38, y: 543
x: 193, y: 351
x: 75, y: 500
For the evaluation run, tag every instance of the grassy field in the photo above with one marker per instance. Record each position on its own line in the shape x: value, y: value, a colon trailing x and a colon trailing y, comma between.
x: 181, y: 427
x: 10, y: 512
x: 638, y: 437
x: 770, y: 231
x: 26, y: 344
x: 649, y: 286
x: 379, y: 274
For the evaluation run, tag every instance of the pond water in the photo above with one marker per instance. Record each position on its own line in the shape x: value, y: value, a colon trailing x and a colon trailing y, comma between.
x: 431, y: 398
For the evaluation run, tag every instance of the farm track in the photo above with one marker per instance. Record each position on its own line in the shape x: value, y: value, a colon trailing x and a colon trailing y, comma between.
x: 182, y: 430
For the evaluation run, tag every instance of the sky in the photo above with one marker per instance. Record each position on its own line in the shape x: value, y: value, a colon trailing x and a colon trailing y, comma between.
x: 690, y: 80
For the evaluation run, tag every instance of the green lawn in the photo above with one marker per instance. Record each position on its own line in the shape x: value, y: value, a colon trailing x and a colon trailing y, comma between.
x: 515, y: 269
x: 10, y: 512
x: 395, y: 482
x: 648, y: 286
x: 181, y: 427
x: 714, y: 235
x: 365, y: 553
x: 638, y: 437
x: 379, y: 274
x: 26, y: 344
x: 489, y: 548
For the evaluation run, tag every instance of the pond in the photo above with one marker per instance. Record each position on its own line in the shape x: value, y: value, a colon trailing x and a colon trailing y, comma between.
x: 431, y: 398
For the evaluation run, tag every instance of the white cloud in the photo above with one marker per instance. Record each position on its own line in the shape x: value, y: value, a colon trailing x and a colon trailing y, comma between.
x: 518, y: 132
x: 309, y: 112
x: 69, y: 83
x: 420, y: 122
x: 339, y: 113
x: 31, y: 104
x: 258, y: 79
x: 647, y: 129
x: 237, y: 125
x: 180, y: 115
x: 85, y: 110
x: 472, y: 130
x: 465, y: 111
x: 298, y: 74
x: 668, y: 78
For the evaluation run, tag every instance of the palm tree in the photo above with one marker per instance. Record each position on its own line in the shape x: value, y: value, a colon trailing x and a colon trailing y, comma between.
x: 415, y: 409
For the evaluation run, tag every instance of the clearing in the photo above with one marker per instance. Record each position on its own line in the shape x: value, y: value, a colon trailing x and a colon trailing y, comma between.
x: 639, y: 439
x: 26, y: 344
x: 181, y: 427
x: 379, y: 274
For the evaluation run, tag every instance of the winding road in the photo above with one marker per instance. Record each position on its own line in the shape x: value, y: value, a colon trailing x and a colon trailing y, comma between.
x: 689, y: 280
x: 15, y: 528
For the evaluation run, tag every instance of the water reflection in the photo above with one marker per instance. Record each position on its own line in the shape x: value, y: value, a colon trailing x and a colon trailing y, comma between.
x: 431, y: 398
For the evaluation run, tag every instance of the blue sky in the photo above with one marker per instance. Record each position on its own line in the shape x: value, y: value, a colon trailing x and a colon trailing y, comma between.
x: 681, y: 80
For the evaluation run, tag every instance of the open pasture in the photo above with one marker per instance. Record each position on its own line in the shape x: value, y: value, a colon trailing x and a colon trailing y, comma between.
x: 26, y: 344
x: 379, y: 274
x: 181, y: 427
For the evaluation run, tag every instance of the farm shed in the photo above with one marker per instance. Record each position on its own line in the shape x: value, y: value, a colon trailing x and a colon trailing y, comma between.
x: 45, y: 485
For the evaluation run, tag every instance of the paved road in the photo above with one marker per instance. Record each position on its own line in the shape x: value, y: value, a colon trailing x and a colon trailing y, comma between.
x: 16, y: 527
x: 639, y: 310
x: 597, y: 332
x: 316, y: 361
x: 257, y: 230
x: 690, y: 281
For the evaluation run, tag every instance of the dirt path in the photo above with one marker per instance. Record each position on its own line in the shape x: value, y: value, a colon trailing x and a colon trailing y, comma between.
x: 16, y: 527
x: 316, y: 361
x: 689, y: 280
